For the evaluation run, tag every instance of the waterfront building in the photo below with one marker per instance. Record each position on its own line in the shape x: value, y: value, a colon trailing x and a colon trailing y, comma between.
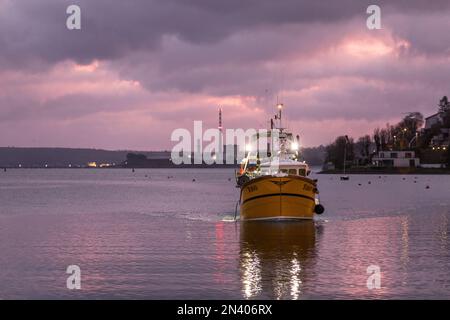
x: 433, y: 120
x: 396, y: 159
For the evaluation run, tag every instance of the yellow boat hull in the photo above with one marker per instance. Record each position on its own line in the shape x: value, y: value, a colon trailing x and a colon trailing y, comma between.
x: 276, y: 198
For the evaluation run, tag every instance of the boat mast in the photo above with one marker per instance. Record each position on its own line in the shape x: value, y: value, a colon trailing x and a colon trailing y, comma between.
x: 282, y: 139
x: 347, y: 141
x: 345, y: 154
x: 280, y: 108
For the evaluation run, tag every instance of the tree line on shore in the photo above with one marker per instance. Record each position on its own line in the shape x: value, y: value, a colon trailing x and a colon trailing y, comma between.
x: 405, y: 135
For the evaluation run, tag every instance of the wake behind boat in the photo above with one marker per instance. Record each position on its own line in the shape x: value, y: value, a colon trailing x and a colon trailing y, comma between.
x: 277, y: 186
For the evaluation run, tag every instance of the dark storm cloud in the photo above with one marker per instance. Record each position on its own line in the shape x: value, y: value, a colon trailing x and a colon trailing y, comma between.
x: 240, y: 53
x: 33, y: 32
x: 70, y: 106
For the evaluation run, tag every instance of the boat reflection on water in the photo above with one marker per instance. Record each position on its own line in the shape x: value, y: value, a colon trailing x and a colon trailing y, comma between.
x: 275, y: 258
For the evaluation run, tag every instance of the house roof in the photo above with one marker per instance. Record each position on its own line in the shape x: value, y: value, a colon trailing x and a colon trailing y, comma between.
x: 432, y: 116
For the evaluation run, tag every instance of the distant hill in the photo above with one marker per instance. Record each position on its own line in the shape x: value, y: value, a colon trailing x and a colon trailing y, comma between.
x: 63, y: 157
x: 11, y: 157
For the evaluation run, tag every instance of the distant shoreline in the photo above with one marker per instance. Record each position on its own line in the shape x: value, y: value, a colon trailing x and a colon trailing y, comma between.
x: 118, y: 167
x: 443, y: 171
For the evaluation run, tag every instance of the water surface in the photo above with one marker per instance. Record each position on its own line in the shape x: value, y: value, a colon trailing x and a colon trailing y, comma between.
x: 156, y: 233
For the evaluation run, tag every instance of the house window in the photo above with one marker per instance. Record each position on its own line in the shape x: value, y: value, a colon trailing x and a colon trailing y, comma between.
x: 408, y: 155
x: 393, y: 154
x: 381, y: 154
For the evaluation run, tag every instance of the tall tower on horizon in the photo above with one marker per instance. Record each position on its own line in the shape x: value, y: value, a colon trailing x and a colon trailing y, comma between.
x: 221, y: 144
x: 220, y: 119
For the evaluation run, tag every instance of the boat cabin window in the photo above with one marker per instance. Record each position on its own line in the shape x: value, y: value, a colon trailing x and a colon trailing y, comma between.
x: 293, y: 171
x: 289, y: 171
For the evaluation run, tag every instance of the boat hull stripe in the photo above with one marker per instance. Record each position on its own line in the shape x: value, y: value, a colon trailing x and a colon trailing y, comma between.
x: 277, y: 195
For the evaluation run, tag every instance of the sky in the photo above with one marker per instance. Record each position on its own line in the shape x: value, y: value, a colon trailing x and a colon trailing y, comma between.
x: 139, y: 69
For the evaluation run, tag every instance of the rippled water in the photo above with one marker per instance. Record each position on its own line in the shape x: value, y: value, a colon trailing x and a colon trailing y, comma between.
x: 158, y: 234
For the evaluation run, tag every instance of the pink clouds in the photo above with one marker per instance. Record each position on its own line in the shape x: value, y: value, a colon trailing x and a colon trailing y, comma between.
x: 129, y: 87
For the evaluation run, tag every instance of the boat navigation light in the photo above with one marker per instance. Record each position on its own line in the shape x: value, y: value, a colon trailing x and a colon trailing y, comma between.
x: 280, y: 106
x: 294, y: 146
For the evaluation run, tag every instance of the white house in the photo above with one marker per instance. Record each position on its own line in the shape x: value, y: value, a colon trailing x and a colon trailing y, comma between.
x: 397, y: 159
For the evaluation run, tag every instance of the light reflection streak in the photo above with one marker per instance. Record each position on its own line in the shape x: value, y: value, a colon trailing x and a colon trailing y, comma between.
x: 443, y: 229
x: 405, y: 241
x: 295, y: 277
x: 274, y: 257
x: 251, y: 277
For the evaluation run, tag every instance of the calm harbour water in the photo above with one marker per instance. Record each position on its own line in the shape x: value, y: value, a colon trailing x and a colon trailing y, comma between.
x: 143, y: 235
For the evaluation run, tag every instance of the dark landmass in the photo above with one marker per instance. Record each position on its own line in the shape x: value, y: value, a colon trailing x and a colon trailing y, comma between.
x: 136, y: 160
x: 389, y: 171
x: 11, y: 157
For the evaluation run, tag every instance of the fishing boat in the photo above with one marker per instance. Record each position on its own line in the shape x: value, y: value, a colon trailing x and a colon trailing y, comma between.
x: 277, y: 186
